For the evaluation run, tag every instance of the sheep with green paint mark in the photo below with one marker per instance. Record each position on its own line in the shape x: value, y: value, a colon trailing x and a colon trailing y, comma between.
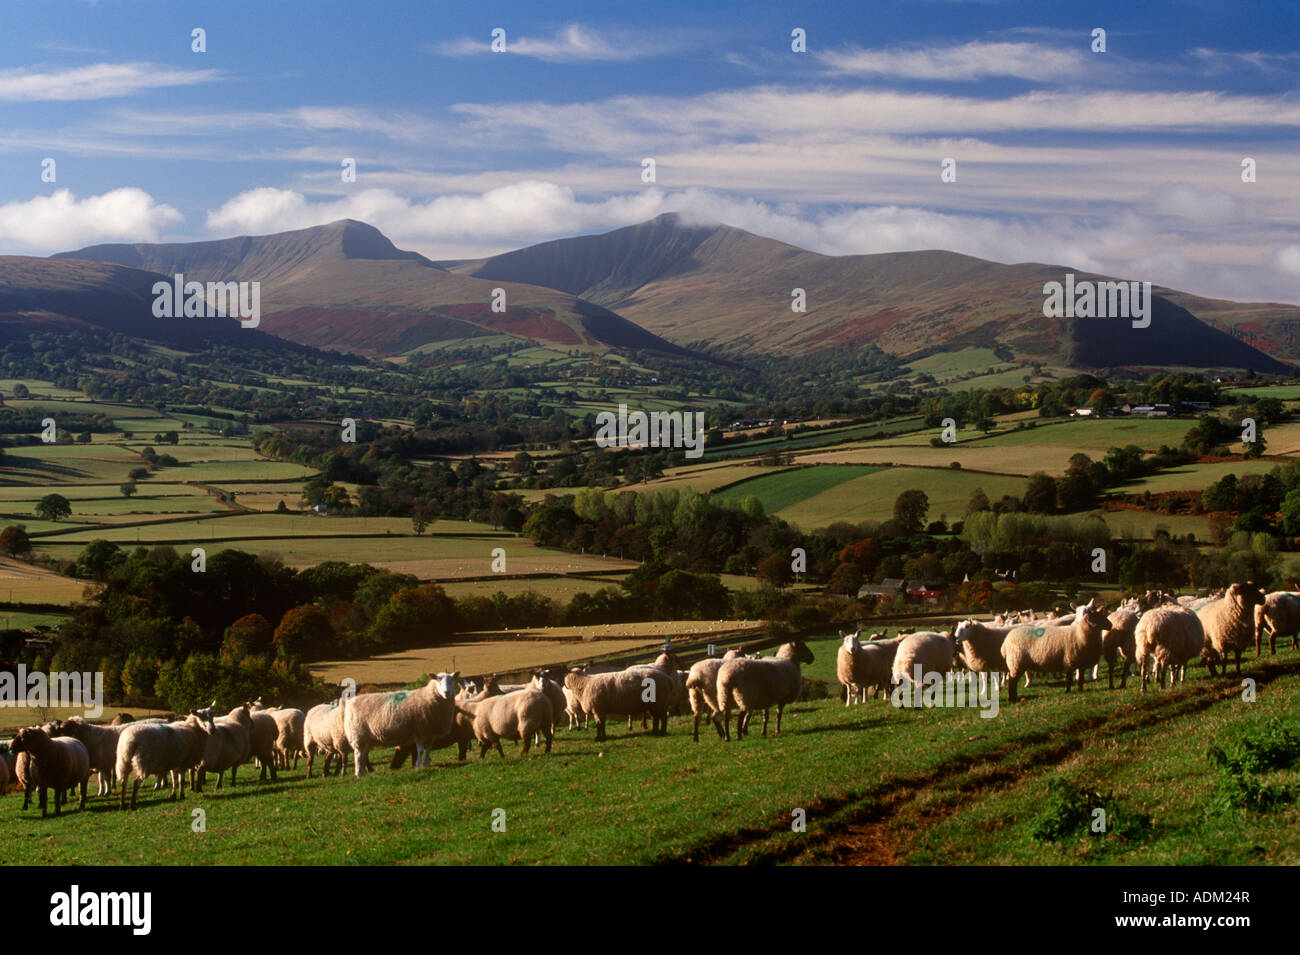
x: 422, y: 717
x: 1047, y: 649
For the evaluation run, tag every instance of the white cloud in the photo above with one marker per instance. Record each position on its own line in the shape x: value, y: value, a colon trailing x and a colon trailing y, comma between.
x: 969, y: 61
x: 60, y: 222
x: 575, y: 43
x: 1287, y: 260
x: 97, y: 81
x: 1205, y: 206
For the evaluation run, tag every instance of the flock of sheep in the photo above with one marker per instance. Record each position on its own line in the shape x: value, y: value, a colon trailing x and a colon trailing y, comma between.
x: 61, y: 755
x: 1157, y: 633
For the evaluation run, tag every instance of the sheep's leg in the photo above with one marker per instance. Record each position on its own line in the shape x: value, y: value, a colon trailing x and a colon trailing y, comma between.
x: 361, y: 760
x: 600, y: 729
x: 695, y: 730
x: 779, y: 708
x: 550, y: 737
x: 528, y: 741
x: 502, y: 752
x: 1012, y: 680
x: 726, y: 713
x: 135, y: 790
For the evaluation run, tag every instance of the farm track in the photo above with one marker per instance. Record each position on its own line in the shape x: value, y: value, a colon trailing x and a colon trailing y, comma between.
x: 864, y: 828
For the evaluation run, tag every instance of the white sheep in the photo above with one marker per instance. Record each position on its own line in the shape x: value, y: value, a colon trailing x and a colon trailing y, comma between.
x: 702, y: 691
x: 751, y: 685
x: 518, y: 715
x: 1166, y: 638
x: 981, y: 648
x: 422, y: 717
x: 930, y: 651
x: 323, y: 733
x: 1120, y: 642
x: 229, y: 743
x: 1280, y: 615
x: 625, y: 693
x: 1047, y: 649
x: 162, y: 749
x: 1229, y: 625
x: 100, y: 743
x: 288, y: 741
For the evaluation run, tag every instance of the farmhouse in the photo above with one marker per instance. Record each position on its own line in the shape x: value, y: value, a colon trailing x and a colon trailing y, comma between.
x: 889, y: 587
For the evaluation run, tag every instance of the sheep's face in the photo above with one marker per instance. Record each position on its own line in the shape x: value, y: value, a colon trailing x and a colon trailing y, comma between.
x: 446, y: 685
x: 851, y: 642
x: 27, y: 739
x: 959, y: 631
x: 801, y: 652
x: 539, y: 680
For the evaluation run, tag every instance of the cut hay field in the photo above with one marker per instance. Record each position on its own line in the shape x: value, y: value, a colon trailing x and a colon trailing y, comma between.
x: 1142, y: 525
x: 878, y: 784
x: 559, y: 589
x: 59, y: 464
x: 1195, y: 477
x: 24, y: 583
x: 777, y: 492
x: 503, y: 656
x: 707, y: 477
x: 871, y: 497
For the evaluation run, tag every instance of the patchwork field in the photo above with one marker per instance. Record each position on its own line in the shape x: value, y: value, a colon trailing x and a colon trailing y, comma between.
x: 871, y: 497
x: 776, y: 492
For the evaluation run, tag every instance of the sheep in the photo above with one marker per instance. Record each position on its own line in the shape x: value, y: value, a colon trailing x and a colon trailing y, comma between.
x: 420, y: 716
x: 1119, y: 641
x: 573, y: 708
x: 61, y: 763
x: 702, y: 691
x: 844, y: 656
x: 1044, y: 649
x: 146, y: 749
x: 1280, y: 614
x: 323, y: 733
x: 554, y: 693
x: 288, y: 740
x: 100, y: 743
x: 981, y: 648
x: 265, y: 733
x: 6, y: 773
x: 665, y: 663
x: 122, y: 719
x: 515, y: 715
x: 1167, y: 637
x: 230, y: 743
x: 760, y: 684
x: 1229, y: 625
x: 623, y: 693
x: 930, y: 651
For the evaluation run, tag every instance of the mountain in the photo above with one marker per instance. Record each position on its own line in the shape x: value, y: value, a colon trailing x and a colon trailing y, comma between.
x: 720, y: 288
x: 70, y: 295
x: 346, y: 286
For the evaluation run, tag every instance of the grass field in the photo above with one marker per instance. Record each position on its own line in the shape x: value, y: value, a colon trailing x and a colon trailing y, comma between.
x: 777, y: 492
x: 878, y: 785
x: 1195, y: 477
x: 871, y: 496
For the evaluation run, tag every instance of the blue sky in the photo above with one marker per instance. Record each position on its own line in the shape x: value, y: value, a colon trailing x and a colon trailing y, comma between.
x: 1126, y: 162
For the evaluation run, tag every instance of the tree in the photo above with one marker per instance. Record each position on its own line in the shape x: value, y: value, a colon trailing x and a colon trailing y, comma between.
x: 910, y: 509
x: 979, y: 501
x: 53, y: 507
x: 775, y: 569
x: 304, y: 630
x: 138, y: 474
x: 127, y: 489
x: 98, y: 559
x: 1040, y: 495
x: 419, y: 519
x: 1257, y: 447
x: 249, y: 635
x: 281, y: 508
x: 14, y: 541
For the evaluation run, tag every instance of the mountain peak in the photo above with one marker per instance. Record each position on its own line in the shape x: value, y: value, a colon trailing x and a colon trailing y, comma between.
x: 255, y: 257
